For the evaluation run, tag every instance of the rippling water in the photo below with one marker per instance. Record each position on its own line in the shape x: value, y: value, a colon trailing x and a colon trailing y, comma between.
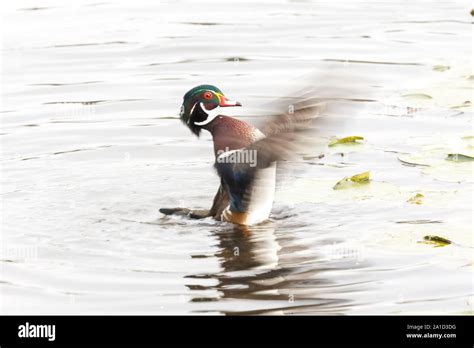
x: 92, y: 148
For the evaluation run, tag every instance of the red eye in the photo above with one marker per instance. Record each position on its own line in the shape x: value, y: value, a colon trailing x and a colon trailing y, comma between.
x: 207, y: 95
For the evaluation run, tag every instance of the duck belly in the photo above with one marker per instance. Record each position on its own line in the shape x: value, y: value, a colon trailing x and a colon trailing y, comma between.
x: 261, y: 196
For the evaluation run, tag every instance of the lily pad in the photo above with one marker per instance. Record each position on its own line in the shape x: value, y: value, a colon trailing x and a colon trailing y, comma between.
x: 345, y: 140
x: 459, y: 157
x: 358, y: 179
x: 441, y: 68
x: 362, y: 177
x: 416, y: 199
x: 419, y: 96
x: 436, y: 241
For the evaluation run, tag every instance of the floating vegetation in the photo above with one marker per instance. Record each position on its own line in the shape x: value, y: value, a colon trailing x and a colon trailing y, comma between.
x: 416, y: 199
x: 358, y: 179
x: 441, y: 68
x: 419, y: 222
x: 459, y: 157
x: 465, y: 104
x: 422, y: 96
x: 345, y: 140
x: 436, y: 241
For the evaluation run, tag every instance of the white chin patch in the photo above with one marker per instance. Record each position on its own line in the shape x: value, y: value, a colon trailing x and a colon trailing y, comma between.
x: 211, y: 115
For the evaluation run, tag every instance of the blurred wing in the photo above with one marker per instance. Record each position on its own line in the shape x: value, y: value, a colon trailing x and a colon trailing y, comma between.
x: 289, y: 133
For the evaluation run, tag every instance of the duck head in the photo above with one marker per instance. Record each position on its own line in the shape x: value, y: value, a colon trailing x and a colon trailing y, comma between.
x: 201, y: 105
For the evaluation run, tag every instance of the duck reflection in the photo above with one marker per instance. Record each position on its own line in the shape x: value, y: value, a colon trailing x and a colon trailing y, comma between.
x: 245, y: 248
x: 256, y: 265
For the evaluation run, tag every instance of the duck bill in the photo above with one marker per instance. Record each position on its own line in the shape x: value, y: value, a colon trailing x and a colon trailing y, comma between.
x: 223, y: 101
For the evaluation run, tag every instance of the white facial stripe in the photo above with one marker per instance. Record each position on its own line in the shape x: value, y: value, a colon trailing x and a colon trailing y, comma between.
x: 191, y: 112
x: 211, y: 115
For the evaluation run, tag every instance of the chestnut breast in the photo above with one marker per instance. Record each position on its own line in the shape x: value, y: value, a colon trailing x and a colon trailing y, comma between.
x: 229, y: 133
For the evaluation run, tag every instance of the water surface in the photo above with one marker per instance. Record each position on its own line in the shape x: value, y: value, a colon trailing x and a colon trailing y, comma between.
x: 92, y: 147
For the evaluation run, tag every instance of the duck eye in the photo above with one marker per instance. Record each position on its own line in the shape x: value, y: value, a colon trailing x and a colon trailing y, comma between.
x: 207, y: 95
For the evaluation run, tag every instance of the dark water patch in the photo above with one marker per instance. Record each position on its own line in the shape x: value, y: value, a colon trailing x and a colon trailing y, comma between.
x: 35, y: 8
x: 79, y: 150
x: 442, y: 33
x: 173, y: 37
x: 236, y: 59
x: 205, y: 60
x: 69, y: 151
x: 78, y: 121
x: 65, y: 84
x: 97, y: 4
x: 358, y: 100
x: 88, y: 102
x: 203, y: 23
x: 166, y: 118
x: 184, y: 61
x: 169, y: 79
x: 393, y: 151
x: 419, y: 222
x: 369, y: 62
x: 412, y: 164
x: 94, y: 102
x: 92, y: 44
x: 205, y: 299
x: 201, y: 256
x: 403, y: 42
x: 395, y: 115
x: 61, y: 153
x: 432, y: 22
x: 145, y: 271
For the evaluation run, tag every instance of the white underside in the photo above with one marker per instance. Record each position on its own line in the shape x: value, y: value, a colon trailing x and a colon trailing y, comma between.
x: 263, y: 190
x: 261, y: 197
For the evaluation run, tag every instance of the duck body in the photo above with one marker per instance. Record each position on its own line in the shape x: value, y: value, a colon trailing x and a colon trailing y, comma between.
x: 247, y: 188
x: 250, y: 190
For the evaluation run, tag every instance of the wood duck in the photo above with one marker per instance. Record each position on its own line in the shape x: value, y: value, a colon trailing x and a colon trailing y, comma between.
x: 245, y: 157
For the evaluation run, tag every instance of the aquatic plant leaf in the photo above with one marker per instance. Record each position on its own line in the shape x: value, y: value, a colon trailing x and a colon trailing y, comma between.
x: 436, y: 241
x: 422, y: 96
x: 350, y: 139
x: 357, y: 179
x: 362, y: 177
x: 459, y: 157
x: 441, y: 68
x: 416, y: 199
